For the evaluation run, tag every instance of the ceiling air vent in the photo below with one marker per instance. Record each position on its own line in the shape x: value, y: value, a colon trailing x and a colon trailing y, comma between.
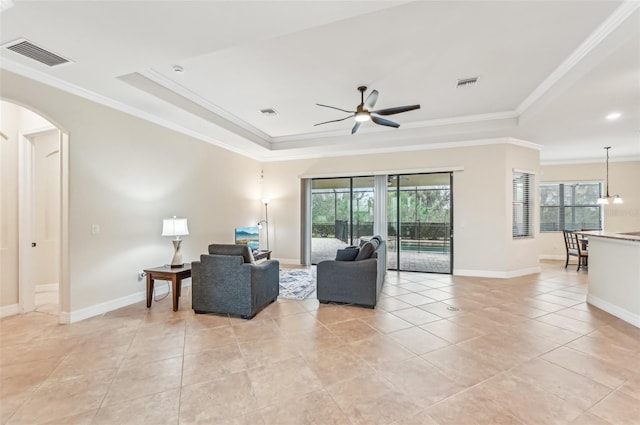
x: 30, y: 50
x: 268, y: 112
x: 466, y: 82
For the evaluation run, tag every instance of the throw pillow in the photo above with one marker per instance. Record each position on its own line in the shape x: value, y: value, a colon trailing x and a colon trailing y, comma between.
x: 366, y: 251
x: 347, y: 254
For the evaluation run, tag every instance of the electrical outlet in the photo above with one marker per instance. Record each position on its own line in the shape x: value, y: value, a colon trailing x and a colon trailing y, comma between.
x: 141, y: 275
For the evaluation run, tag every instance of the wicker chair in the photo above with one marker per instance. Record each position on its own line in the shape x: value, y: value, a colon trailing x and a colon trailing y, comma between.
x: 227, y: 281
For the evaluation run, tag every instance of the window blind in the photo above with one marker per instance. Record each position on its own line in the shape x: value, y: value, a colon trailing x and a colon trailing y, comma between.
x: 522, y: 208
x: 570, y: 206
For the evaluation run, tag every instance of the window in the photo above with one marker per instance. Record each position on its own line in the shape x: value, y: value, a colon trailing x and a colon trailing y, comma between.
x: 522, y: 211
x: 570, y: 206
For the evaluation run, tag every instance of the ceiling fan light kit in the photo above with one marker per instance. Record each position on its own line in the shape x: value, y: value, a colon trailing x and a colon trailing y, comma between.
x: 363, y: 112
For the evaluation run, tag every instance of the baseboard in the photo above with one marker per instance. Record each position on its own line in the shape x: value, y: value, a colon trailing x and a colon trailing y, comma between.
x: 102, y: 308
x: 615, y: 310
x: 552, y: 257
x: 289, y: 261
x: 496, y: 274
x: 9, y: 310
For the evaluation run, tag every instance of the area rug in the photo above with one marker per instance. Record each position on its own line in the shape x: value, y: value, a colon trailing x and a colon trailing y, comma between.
x: 297, y: 284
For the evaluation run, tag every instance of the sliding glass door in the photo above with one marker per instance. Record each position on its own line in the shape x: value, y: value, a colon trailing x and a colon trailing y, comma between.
x: 342, y: 212
x: 420, y: 223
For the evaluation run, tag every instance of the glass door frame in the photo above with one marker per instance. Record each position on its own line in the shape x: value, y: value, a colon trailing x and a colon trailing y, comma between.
x: 398, y: 221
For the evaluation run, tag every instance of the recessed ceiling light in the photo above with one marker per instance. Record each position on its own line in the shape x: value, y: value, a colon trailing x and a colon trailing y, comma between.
x: 268, y: 112
x: 614, y: 116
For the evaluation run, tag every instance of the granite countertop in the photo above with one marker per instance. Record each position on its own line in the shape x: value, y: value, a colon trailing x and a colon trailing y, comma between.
x: 625, y: 236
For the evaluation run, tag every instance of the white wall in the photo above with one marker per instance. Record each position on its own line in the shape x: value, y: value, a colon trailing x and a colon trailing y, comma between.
x: 624, y: 179
x: 482, y: 201
x: 125, y: 175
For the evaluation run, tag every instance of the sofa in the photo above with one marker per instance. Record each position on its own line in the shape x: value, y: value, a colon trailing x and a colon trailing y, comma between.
x: 228, y: 281
x: 356, y: 275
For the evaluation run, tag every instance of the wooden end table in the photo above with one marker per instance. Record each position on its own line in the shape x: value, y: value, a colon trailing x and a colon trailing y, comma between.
x: 174, y: 274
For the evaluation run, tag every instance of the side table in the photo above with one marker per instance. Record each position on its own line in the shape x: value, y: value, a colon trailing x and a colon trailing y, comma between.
x: 175, y: 275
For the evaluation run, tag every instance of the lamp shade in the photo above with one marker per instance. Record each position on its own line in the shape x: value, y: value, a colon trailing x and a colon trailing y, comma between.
x: 174, y: 227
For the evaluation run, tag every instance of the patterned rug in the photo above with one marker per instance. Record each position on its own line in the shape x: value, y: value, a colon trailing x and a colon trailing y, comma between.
x: 297, y: 284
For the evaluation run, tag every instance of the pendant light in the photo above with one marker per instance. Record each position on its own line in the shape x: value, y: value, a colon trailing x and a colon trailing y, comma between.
x: 605, y: 199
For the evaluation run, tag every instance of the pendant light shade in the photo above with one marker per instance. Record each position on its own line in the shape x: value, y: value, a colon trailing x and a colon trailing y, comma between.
x: 616, y: 199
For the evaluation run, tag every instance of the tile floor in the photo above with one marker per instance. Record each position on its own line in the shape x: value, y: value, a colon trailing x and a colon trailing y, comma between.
x: 517, y: 351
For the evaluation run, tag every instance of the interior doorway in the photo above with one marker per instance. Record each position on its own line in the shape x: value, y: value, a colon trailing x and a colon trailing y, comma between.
x: 40, y: 220
x: 420, y: 222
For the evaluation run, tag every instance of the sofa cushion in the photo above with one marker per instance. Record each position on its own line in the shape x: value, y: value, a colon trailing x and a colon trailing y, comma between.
x: 366, y: 251
x: 224, y: 249
x: 347, y: 254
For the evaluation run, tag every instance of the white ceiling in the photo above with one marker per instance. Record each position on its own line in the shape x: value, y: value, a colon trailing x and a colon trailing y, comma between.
x: 549, y: 71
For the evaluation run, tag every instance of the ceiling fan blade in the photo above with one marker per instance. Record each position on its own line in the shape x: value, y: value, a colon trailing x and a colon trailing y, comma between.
x: 327, y: 122
x: 333, y: 107
x: 383, y: 121
x: 355, y: 127
x: 396, y: 110
x: 371, y: 100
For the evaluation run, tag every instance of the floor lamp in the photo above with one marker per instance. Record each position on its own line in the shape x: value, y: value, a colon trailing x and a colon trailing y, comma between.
x: 265, y: 201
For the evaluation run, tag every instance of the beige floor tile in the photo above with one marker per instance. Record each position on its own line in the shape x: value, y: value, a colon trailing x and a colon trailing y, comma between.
x: 416, y: 316
x: 212, y: 364
x: 85, y: 418
x: 436, y: 294
x: 441, y: 309
x: 589, y: 419
x: 315, y: 340
x: 391, y: 304
x: 420, y: 418
x: 317, y: 408
x: 565, y: 384
x: 86, y: 361
x: 452, y: 332
x: 522, y: 309
x: 143, y: 349
x: 380, y: 349
x: 199, y: 322
x: 568, y: 323
x: 158, y: 409
x: 471, y: 408
x: 606, y: 373
x: 337, y: 365
x: 632, y: 386
x: 218, y: 401
x: 138, y: 380
x: 603, y: 349
x: 352, y: 330
x: 282, y: 381
x: 297, y: 322
x: 619, y: 409
x: 415, y: 299
x: 266, y: 351
x: 386, y: 322
x: 529, y: 403
x: 206, y: 339
x: 463, y: 367
x: 59, y: 399
x: 417, y: 340
x: 251, y: 330
x: 410, y: 377
x: 370, y: 400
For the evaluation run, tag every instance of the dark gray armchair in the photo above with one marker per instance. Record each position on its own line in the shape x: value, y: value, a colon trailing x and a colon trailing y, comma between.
x: 227, y: 281
x: 354, y: 282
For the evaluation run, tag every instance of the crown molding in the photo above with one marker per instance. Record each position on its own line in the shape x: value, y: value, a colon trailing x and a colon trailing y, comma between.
x: 607, y: 27
x: 586, y: 161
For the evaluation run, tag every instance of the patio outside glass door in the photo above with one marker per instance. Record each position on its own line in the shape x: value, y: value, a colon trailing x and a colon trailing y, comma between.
x: 420, y: 222
x: 341, y: 213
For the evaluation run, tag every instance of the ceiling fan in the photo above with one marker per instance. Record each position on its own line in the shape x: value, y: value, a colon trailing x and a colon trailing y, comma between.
x: 363, y: 112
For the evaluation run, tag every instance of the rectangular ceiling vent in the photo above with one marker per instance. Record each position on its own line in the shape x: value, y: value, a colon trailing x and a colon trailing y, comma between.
x: 466, y: 82
x: 32, y: 51
x: 269, y: 112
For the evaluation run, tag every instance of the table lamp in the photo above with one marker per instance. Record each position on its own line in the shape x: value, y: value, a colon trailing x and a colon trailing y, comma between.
x: 177, y: 227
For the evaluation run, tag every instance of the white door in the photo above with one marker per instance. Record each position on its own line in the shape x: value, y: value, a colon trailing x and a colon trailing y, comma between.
x: 46, y: 203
